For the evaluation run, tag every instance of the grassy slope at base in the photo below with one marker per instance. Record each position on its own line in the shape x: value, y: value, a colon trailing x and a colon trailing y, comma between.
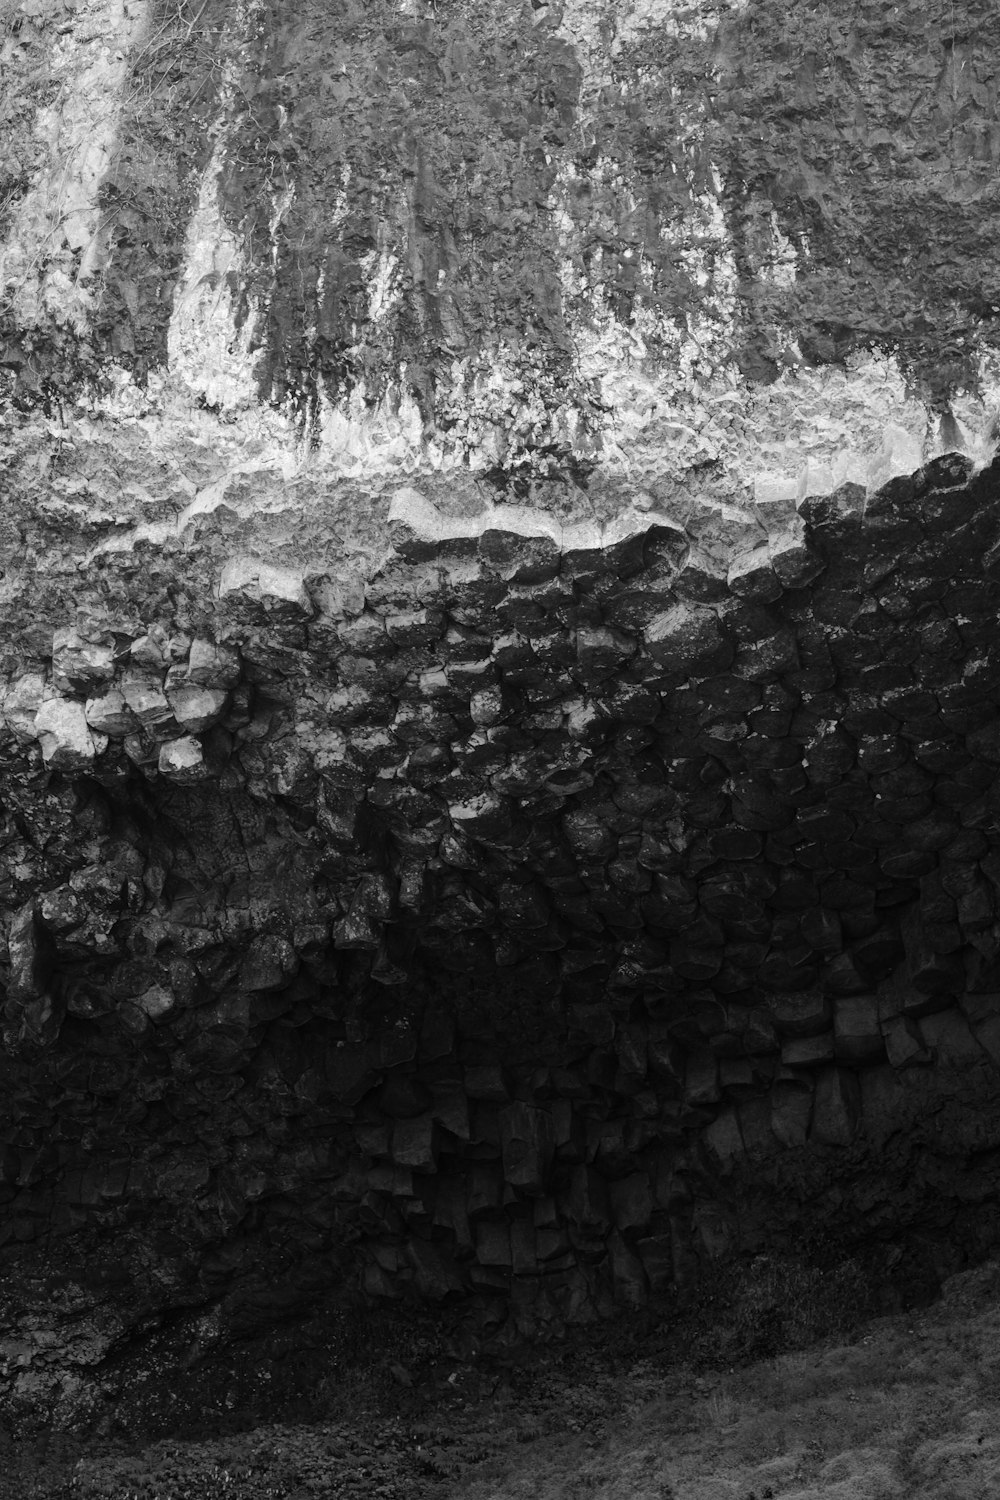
x: 910, y: 1411
x: 906, y: 1408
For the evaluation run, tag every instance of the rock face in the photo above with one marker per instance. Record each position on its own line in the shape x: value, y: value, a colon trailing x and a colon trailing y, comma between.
x: 499, y: 781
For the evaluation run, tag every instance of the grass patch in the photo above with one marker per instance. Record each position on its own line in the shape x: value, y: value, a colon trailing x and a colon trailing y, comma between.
x: 906, y: 1408
x: 909, y: 1411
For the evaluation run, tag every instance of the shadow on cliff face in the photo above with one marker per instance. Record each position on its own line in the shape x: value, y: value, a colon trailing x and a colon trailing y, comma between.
x: 420, y: 150
x: 469, y: 186
x: 871, y: 136
x: 853, y: 155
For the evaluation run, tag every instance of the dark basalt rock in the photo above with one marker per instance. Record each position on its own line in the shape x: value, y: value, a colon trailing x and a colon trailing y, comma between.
x: 433, y: 1001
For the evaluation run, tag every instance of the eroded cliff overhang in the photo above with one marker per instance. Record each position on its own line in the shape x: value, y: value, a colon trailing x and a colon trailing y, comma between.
x: 525, y: 242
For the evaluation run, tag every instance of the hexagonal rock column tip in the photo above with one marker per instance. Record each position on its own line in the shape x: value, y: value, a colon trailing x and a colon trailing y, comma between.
x: 276, y: 589
x: 64, y: 735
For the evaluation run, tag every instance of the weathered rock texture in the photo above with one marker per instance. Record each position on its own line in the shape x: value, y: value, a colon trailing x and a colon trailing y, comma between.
x: 499, y: 784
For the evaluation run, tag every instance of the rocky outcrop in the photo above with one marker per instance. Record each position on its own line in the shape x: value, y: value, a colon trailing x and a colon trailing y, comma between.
x: 498, y: 745
x: 533, y: 918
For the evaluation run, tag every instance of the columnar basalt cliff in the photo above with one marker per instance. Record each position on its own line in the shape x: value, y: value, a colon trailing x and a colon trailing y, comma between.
x: 499, y: 689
